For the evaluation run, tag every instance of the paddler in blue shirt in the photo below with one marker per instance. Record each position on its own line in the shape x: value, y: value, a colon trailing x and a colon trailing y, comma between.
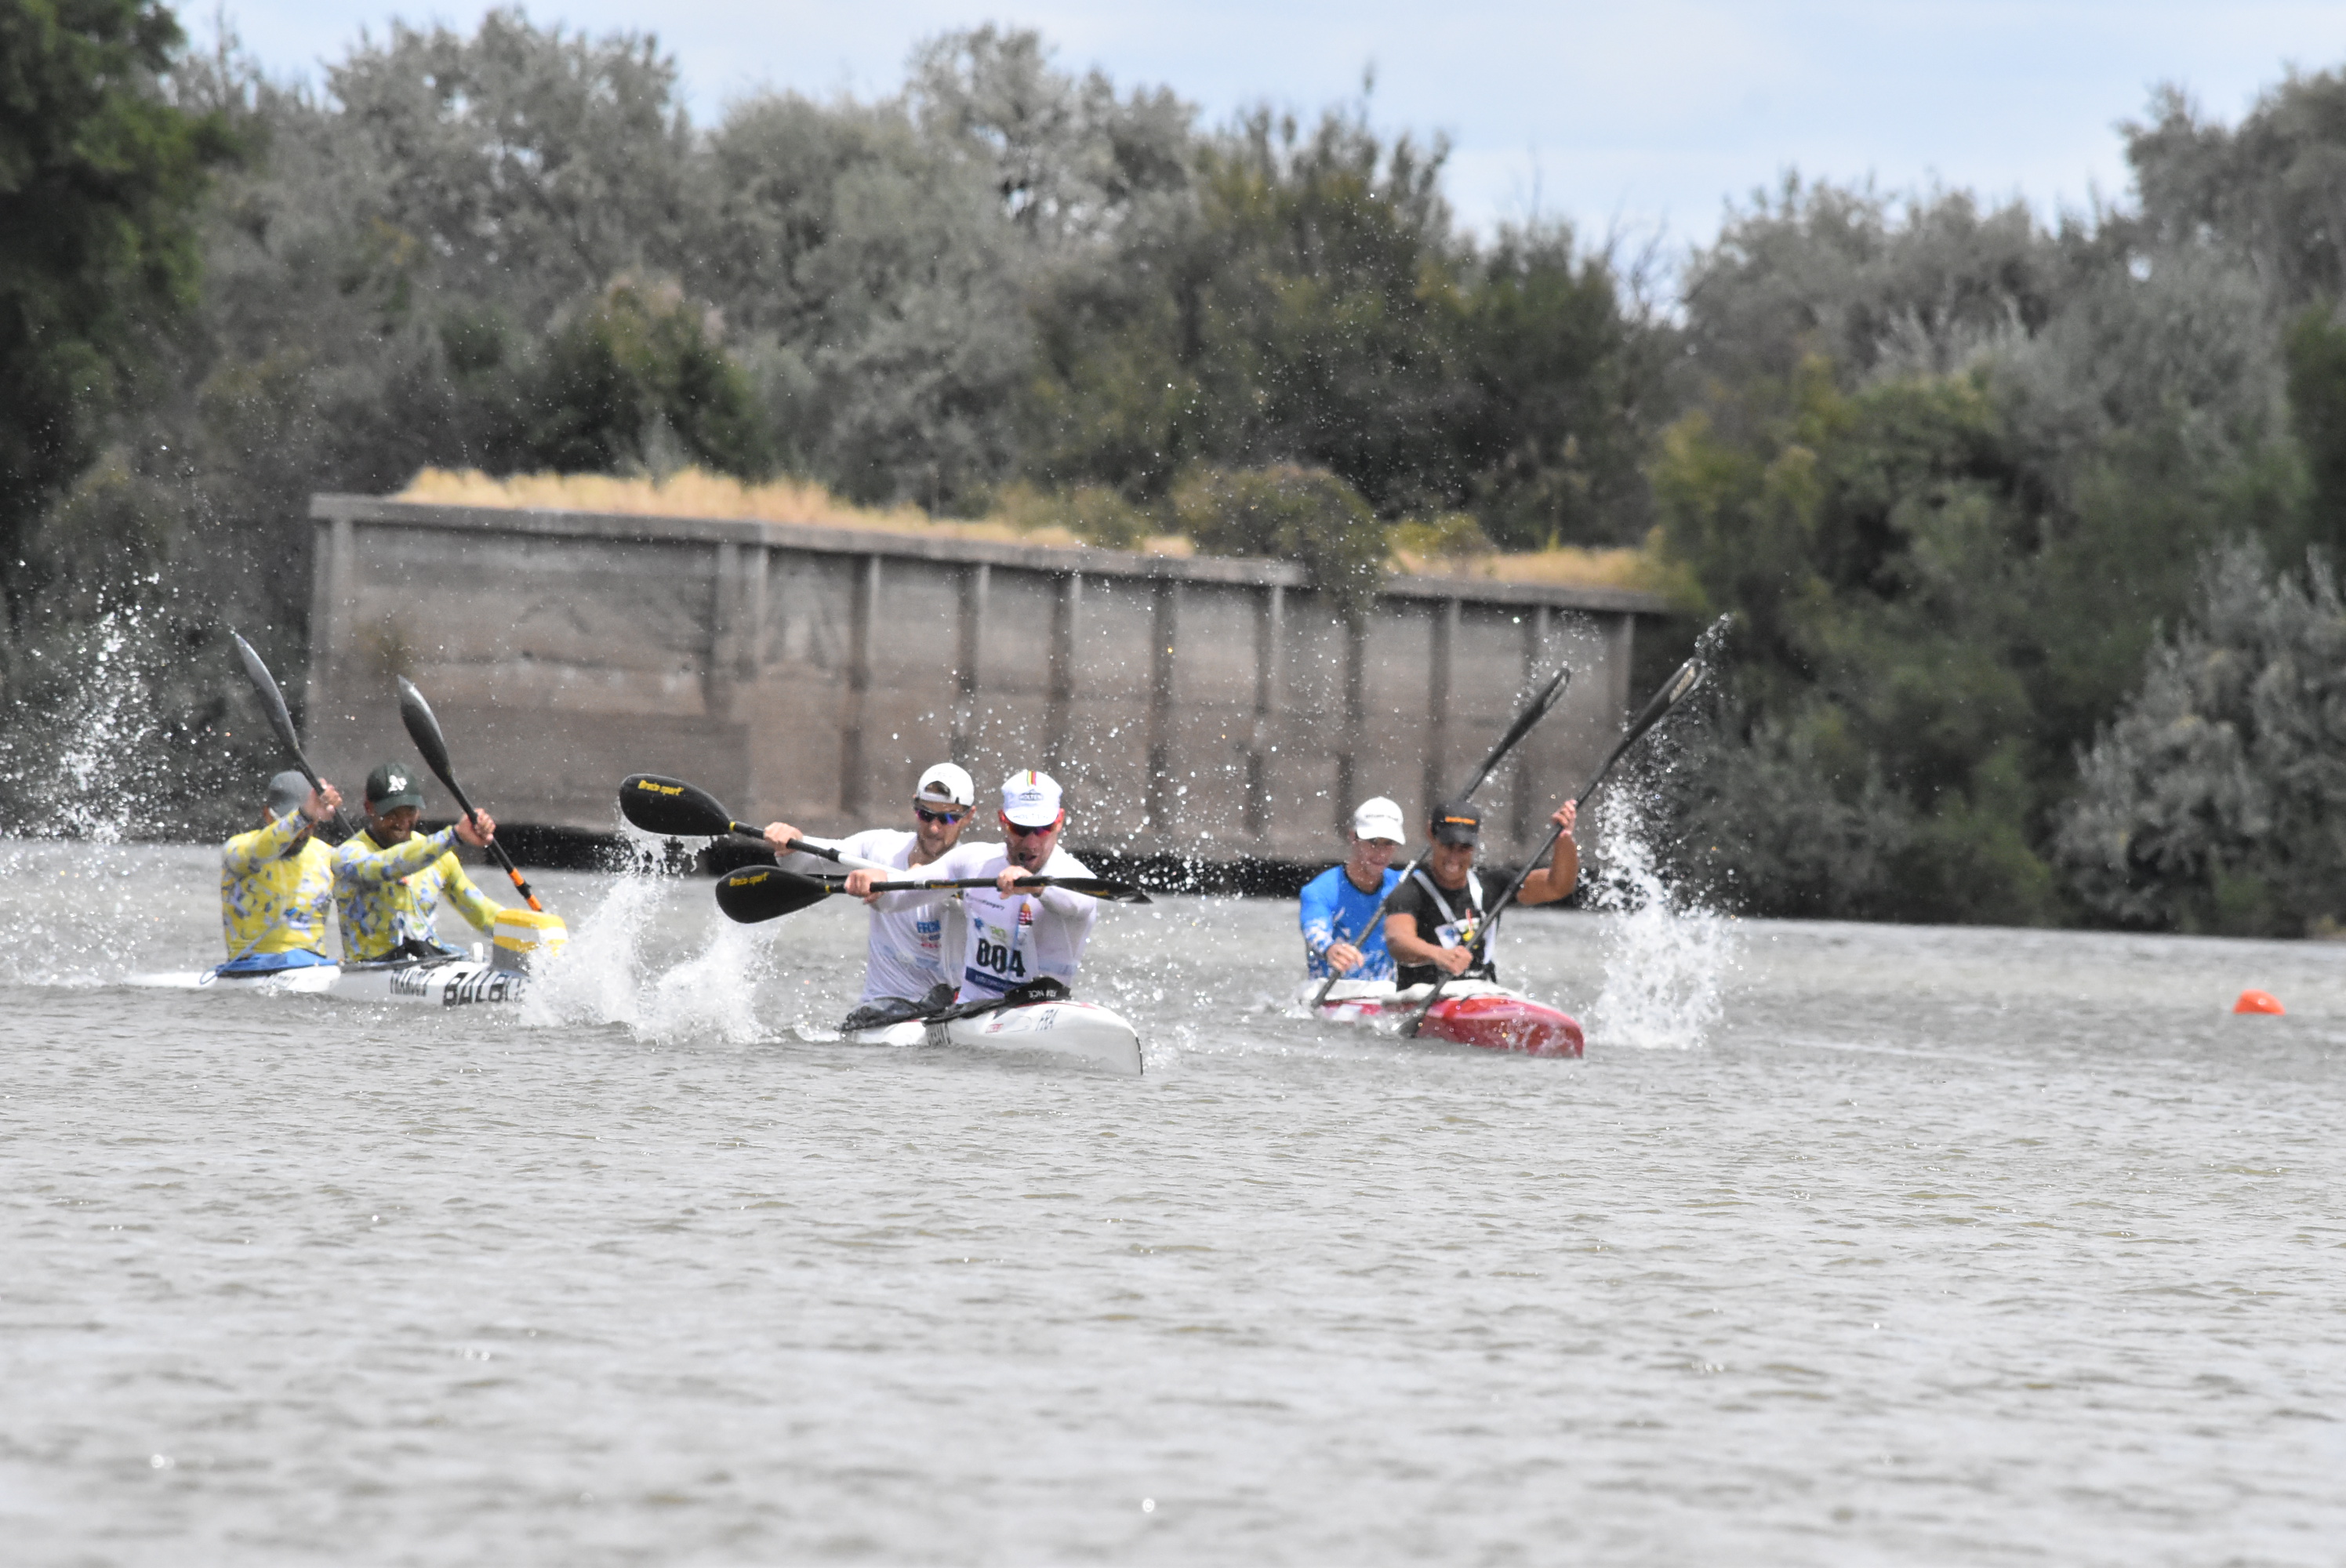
x: 276, y: 880
x: 391, y: 882
x: 1341, y: 934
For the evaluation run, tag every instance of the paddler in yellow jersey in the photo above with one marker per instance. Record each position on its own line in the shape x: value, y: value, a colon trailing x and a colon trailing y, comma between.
x: 276, y: 880
x: 391, y: 882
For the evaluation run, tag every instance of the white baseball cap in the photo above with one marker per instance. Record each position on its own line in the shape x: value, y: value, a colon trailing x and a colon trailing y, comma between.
x: 1379, y: 817
x: 947, y: 782
x: 1030, y: 799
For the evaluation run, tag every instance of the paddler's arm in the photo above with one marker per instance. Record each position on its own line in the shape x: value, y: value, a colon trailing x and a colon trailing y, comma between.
x: 1402, y: 941
x: 401, y: 860
x: 1318, y: 917
x: 470, y: 901
x: 781, y: 836
x: 1562, y: 873
x: 249, y: 853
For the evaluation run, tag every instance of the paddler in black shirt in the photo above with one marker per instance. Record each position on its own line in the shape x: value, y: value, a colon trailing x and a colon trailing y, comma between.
x: 1434, y: 921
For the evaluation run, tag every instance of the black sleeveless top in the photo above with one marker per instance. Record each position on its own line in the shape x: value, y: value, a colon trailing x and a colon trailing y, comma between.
x: 1445, y: 917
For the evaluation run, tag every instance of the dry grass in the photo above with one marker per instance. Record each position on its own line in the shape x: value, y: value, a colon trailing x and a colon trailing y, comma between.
x: 1642, y: 570
x: 694, y: 493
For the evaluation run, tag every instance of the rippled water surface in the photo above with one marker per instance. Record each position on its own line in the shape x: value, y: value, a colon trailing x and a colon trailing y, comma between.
x: 1934, y: 1246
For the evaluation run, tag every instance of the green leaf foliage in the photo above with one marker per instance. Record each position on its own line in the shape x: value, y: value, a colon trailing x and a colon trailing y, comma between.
x: 99, y: 181
x: 638, y: 380
x: 1314, y: 306
x: 2216, y: 802
x: 1306, y: 516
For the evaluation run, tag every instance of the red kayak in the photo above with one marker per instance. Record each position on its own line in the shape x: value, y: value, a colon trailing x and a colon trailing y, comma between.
x: 1470, y: 1013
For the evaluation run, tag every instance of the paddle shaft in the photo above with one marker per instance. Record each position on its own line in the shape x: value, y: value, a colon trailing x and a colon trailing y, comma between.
x: 1689, y: 676
x: 1534, y: 711
x: 495, y: 848
x: 424, y: 728
x: 1083, y: 885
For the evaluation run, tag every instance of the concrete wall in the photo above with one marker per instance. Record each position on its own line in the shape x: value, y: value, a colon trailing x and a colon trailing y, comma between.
x: 1213, y: 708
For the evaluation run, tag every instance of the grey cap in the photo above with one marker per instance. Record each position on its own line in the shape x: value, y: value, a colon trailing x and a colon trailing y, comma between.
x: 287, y: 791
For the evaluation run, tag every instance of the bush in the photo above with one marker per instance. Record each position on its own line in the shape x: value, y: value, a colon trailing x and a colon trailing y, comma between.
x: 1302, y: 515
x: 2216, y: 801
x: 638, y: 380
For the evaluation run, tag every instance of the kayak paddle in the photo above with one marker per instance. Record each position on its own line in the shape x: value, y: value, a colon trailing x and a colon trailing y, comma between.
x: 673, y: 808
x: 425, y: 731
x: 1674, y: 691
x: 1534, y: 711
x: 272, y: 704
x: 757, y: 893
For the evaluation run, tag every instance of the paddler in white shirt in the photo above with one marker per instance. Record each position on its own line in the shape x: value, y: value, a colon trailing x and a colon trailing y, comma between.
x: 999, y: 939
x: 903, y: 967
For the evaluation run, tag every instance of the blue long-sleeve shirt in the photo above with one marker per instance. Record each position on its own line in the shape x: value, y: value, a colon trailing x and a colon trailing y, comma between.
x: 1335, y: 911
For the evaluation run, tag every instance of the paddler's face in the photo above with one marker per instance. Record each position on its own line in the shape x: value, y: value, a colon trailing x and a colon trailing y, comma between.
x: 1031, y: 847
x: 393, y: 827
x: 938, y: 825
x: 1449, y: 863
x: 1372, y: 855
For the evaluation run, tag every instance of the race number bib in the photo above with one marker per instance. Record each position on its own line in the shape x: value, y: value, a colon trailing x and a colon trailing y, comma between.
x: 997, y: 940
x: 1460, y: 933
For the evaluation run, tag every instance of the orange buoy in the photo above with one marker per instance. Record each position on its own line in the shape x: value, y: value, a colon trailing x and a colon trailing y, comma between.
x: 2258, y: 1002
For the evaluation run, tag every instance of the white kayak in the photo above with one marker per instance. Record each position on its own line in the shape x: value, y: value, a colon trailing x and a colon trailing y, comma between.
x: 455, y: 982
x: 1082, y: 1030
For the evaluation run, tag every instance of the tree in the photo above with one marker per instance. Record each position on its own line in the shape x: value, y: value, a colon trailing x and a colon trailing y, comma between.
x: 2215, y: 800
x: 99, y: 182
x: 638, y: 379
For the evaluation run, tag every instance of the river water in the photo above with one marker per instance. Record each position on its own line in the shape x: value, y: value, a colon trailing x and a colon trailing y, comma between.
x: 1845, y: 1245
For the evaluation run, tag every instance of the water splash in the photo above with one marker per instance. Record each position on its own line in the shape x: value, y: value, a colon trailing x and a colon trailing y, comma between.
x: 1667, y: 957
x: 611, y: 971
x: 82, y: 770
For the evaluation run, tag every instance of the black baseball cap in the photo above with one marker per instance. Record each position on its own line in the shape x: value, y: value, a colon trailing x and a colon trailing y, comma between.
x: 1457, y: 824
x: 392, y: 786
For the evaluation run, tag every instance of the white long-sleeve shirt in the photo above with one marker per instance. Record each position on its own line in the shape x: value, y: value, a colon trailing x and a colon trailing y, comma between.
x: 903, y: 959
x: 993, y: 944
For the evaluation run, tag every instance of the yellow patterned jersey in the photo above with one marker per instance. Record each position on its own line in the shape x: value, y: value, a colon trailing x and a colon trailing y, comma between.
x: 389, y: 896
x: 273, y: 901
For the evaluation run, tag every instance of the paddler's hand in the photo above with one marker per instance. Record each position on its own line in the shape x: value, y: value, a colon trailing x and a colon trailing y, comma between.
x: 859, y: 883
x: 477, y: 829
x: 1007, y: 879
x: 1453, y: 959
x: 1344, y: 957
x: 323, y: 803
x: 1565, y: 815
x: 781, y: 835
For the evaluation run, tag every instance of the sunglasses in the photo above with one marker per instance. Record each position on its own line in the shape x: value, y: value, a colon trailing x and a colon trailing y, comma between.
x: 925, y: 815
x: 1025, y: 833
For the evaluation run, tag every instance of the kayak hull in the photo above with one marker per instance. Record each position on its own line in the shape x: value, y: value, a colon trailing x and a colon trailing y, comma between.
x: 462, y: 983
x: 1474, y: 1013
x: 1079, y: 1031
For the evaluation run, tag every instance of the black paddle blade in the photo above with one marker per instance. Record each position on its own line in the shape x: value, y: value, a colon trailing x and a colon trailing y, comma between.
x: 273, y: 700
x: 767, y: 892
x: 424, y: 728
x: 1675, y: 690
x: 1534, y: 711
x: 672, y: 807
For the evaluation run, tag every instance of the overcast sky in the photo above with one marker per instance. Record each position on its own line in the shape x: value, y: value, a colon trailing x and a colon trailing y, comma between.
x: 1644, y: 116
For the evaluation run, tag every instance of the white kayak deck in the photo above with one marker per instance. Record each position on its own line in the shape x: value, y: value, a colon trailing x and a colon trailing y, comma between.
x: 1080, y: 1031
x: 457, y: 982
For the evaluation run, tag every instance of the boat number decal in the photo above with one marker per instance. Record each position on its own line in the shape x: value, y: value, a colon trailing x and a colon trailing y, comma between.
x: 481, y: 985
